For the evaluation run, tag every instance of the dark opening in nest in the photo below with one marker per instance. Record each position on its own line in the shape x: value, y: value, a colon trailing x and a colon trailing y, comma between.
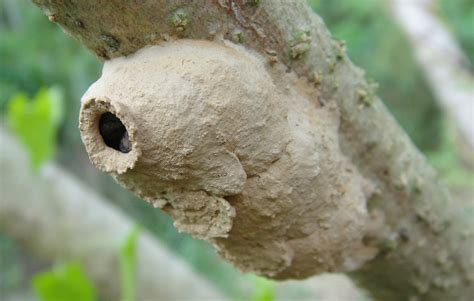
x: 114, y: 133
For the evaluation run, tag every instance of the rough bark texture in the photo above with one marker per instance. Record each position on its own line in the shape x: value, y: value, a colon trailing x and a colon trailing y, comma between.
x: 59, y: 219
x: 425, y: 239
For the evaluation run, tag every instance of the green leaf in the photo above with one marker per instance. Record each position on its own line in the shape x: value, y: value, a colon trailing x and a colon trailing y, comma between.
x: 264, y: 290
x: 128, y: 264
x: 36, y: 122
x: 64, y: 282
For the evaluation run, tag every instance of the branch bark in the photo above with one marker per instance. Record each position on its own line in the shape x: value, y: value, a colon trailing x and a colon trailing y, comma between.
x: 424, y: 238
x: 57, y: 218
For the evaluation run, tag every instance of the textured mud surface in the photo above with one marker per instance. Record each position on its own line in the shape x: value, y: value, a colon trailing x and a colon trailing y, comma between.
x: 235, y: 155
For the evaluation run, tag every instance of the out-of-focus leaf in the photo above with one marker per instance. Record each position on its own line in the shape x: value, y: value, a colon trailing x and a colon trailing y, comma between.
x: 264, y: 290
x: 36, y: 122
x: 459, y: 16
x: 66, y: 282
x: 128, y: 264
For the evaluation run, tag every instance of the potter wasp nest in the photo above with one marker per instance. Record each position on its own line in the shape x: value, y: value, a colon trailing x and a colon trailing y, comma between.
x: 203, y: 131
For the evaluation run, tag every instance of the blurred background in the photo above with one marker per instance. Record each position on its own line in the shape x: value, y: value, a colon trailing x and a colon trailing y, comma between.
x: 44, y: 72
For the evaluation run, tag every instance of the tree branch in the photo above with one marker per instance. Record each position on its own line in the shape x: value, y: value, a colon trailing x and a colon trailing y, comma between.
x: 423, y: 252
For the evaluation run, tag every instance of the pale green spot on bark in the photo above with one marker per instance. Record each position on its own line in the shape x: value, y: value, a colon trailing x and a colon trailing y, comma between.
x: 180, y: 20
x: 300, y: 43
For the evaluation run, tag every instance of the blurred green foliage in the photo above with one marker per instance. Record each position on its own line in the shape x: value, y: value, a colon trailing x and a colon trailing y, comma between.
x: 459, y: 16
x: 36, y: 122
x: 68, y: 281
x: 128, y: 264
x: 264, y: 289
x: 35, y: 53
x: 64, y: 282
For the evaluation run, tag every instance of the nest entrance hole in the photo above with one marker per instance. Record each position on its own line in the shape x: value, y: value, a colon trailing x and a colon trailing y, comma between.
x: 114, y: 133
